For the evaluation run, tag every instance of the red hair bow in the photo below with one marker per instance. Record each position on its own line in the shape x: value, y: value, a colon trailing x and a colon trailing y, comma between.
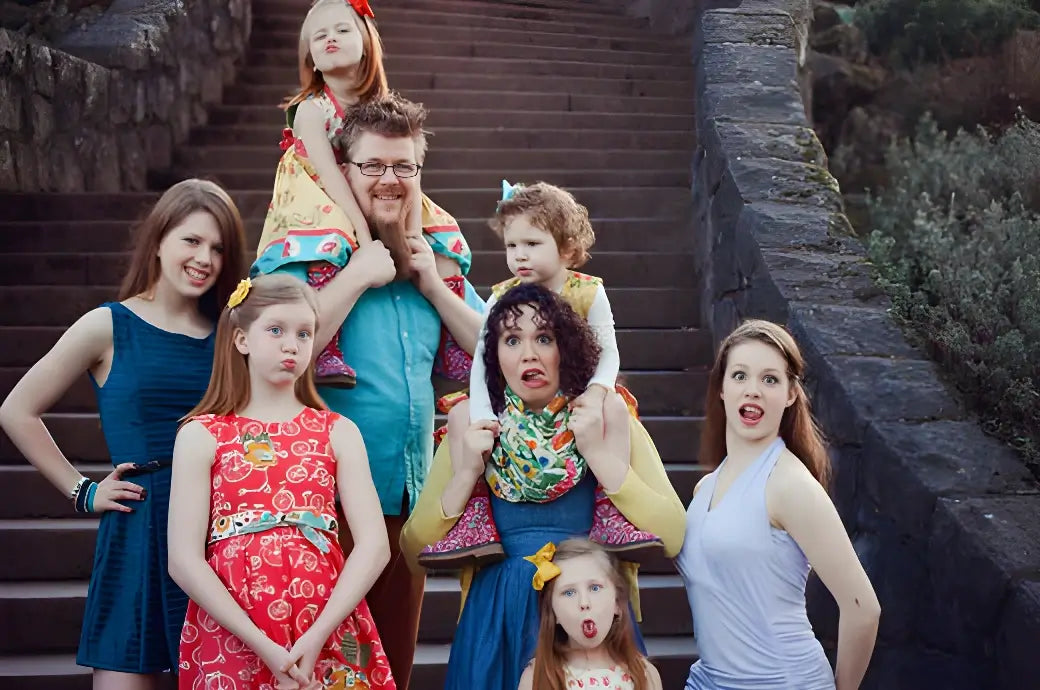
x: 362, y: 8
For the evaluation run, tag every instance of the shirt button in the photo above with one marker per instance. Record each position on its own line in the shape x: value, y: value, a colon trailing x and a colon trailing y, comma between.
x: 404, y: 334
x: 398, y: 298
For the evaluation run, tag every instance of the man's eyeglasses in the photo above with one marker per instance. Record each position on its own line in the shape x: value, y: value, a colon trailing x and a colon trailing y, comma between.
x: 373, y: 169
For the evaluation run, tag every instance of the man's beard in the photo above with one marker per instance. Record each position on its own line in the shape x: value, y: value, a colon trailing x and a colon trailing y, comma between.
x: 392, y: 234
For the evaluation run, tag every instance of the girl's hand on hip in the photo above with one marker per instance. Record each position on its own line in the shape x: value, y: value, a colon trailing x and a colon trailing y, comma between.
x: 112, y: 488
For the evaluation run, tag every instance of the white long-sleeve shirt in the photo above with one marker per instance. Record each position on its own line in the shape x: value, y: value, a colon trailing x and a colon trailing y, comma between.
x: 600, y: 318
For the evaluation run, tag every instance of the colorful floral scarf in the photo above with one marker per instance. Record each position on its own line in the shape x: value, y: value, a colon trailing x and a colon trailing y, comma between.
x: 535, y: 459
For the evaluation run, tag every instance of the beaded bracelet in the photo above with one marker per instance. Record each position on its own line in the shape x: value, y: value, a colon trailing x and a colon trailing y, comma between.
x: 79, y: 487
x: 86, y: 493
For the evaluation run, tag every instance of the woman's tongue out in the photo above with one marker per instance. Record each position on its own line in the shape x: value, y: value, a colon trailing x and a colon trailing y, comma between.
x: 589, y: 629
x: 750, y: 414
x: 534, y: 378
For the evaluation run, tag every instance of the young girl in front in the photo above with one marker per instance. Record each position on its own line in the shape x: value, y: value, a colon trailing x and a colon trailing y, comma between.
x: 257, y: 468
x: 148, y: 355
x: 584, y: 639
x: 314, y: 223
x: 759, y: 522
x: 547, y: 234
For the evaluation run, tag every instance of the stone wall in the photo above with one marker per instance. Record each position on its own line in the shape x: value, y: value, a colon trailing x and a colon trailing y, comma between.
x: 106, y: 105
x: 944, y: 518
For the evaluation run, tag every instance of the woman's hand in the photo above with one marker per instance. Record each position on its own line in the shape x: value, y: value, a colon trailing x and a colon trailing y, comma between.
x: 603, y: 437
x: 477, y: 444
x: 112, y: 488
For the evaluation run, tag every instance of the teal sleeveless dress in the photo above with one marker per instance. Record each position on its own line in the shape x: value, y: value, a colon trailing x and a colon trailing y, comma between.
x: 134, y: 611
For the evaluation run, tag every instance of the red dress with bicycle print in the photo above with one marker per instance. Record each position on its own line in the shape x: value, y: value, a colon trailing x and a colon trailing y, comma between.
x: 273, y: 544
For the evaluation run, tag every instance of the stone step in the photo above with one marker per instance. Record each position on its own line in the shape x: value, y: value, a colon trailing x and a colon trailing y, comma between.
x: 612, y: 234
x: 647, y: 349
x: 466, y: 41
x: 442, y: 178
x: 274, y: 117
x: 278, y: 13
x: 79, y: 436
x: 461, y: 203
x: 400, y: 67
x: 672, y: 655
x: 499, y: 99
x: 618, y: 269
x: 418, y: 50
x: 633, y: 307
x: 225, y: 155
x: 393, y: 19
x: 420, y: 82
x: 52, y: 612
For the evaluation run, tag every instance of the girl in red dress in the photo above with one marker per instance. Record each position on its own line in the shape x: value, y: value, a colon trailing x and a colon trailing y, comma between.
x: 274, y: 603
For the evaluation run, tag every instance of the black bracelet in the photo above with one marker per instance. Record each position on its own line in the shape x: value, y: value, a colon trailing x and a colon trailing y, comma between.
x: 81, y: 497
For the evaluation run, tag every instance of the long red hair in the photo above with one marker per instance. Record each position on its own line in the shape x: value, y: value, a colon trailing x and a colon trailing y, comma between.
x: 229, y: 389
x: 550, y: 657
x: 798, y: 429
x: 173, y: 208
x: 371, y: 82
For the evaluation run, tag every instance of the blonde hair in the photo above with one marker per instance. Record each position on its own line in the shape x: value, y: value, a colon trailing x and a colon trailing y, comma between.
x: 550, y: 657
x: 371, y: 73
x: 229, y: 389
x: 798, y: 429
x: 553, y: 210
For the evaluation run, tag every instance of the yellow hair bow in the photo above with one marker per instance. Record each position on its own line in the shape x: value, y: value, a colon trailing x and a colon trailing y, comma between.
x: 546, y: 569
x: 239, y: 295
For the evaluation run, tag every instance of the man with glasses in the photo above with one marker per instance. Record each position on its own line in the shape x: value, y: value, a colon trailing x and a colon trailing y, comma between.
x: 393, y: 298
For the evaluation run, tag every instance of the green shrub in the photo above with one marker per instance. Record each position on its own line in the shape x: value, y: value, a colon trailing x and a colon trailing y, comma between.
x: 956, y: 240
x: 912, y: 31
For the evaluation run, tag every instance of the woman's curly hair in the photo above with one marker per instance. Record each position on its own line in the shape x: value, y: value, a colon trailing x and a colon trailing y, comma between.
x: 579, y: 351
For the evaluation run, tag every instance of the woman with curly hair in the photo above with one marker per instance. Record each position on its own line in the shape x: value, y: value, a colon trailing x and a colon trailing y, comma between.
x: 542, y: 460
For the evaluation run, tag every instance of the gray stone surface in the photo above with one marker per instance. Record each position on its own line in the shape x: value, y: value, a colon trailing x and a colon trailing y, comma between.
x: 1015, y: 649
x: 742, y: 64
x: 784, y: 142
x: 988, y: 542
x: 141, y: 75
x: 849, y: 329
x: 765, y: 28
x: 730, y: 102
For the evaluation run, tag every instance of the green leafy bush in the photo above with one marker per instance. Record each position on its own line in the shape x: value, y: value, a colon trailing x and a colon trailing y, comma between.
x: 956, y: 240
x: 912, y: 31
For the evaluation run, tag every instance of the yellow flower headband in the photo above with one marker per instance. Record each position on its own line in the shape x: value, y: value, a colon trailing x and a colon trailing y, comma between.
x: 239, y: 295
x: 546, y: 569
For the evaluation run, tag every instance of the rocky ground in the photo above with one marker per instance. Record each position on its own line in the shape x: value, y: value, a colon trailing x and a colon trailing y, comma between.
x: 48, y: 20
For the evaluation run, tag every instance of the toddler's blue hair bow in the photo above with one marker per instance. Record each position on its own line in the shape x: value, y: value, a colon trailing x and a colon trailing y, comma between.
x: 508, y: 190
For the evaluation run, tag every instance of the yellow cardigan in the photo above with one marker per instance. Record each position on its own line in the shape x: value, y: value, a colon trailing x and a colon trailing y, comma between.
x: 646, y: 498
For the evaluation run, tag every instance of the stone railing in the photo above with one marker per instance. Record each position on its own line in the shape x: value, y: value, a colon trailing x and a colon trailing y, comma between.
x: 108, y: 104
x: 945, y: 519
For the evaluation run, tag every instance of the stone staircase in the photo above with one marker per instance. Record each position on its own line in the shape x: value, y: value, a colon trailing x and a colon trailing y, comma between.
x: 568, y: 91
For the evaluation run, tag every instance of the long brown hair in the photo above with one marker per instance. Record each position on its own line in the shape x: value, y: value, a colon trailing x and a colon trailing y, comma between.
x: 174, y: 206
x: 229, y: 389
x: 798, y: 429
x: 550, y: 657
x: 371, y: 74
